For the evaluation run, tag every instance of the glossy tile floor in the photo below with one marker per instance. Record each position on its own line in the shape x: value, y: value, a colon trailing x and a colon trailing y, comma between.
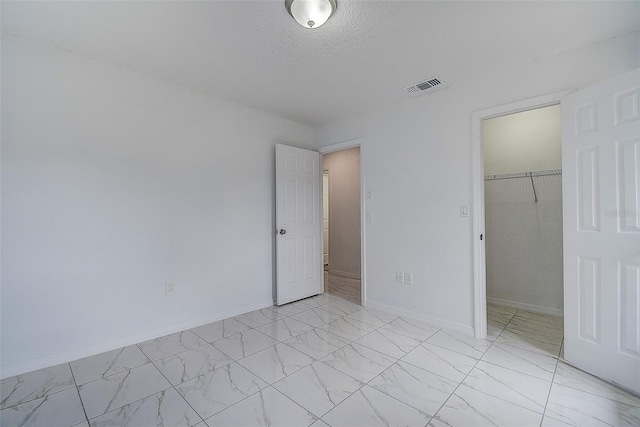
x: 344, y: 287
x: 325, y: 361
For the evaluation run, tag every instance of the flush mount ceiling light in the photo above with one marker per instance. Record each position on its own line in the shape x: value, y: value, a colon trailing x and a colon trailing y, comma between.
x: 310, y: 13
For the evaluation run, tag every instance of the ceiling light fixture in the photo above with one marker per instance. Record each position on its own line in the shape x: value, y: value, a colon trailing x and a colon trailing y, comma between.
x: 311, y: 13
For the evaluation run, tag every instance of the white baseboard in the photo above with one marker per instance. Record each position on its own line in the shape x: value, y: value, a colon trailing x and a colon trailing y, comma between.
x: 345, y: 274
x: 529, y: 307
x: 439, y: 323
x: 93, y: 349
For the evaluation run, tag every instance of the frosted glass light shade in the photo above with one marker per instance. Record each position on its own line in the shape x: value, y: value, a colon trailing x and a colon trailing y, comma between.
x: 310, y: 13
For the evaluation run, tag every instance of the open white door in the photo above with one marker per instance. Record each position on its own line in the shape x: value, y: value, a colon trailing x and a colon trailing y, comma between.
x: 601, y: 193
x: 298, y: 223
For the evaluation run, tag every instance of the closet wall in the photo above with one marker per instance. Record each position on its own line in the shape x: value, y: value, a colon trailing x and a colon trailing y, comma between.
x: 524, y: 237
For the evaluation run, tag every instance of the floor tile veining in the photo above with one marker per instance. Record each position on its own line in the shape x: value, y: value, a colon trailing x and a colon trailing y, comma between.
x: 326, y: 361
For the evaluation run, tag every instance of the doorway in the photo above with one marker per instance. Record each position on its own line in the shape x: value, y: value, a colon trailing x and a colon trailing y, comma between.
x: 478, y: 206
x: 342, y: 169
x: 325, y: 219
x: 342, y: 215
x: 522, y: 162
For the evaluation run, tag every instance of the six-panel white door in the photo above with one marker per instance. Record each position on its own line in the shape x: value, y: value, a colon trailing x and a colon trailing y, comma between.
x: 601, y: 194
x: 299, y: 227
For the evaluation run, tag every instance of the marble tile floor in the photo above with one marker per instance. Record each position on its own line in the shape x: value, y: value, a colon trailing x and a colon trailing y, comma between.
x: 325, y: 361
x: 344, y: 287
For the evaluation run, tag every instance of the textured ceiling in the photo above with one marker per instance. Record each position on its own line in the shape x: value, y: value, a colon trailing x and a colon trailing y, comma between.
x: 254, y: 53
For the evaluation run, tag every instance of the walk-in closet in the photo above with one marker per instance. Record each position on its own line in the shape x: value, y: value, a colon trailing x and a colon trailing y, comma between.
x: 523, y: 210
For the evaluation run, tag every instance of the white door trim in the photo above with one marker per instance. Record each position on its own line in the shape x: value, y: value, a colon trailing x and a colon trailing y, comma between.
x: 341, y: 146
x: 477, y: 207
x: 359, y: 142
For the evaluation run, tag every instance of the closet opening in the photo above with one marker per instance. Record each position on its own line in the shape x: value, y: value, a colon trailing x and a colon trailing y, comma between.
x: 522, y: 164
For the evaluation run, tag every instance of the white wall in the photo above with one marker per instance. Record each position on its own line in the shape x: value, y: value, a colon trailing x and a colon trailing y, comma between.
x: 524, y: 243
x: 523, y: 142
x: 114, y: 183
x: 524, y: 238
x: 344, y: 211
x: 416, y: 156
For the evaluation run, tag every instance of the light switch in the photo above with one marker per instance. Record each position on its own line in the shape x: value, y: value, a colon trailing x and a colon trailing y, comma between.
x: 464, y: 210
x: 370, y: 194
x: 369, y: 217
x: 408, y: 278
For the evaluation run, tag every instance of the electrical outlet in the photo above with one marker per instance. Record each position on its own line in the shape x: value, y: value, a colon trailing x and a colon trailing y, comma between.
x: 169, y: 288
x: 399, y: 277
x: 408, y: 278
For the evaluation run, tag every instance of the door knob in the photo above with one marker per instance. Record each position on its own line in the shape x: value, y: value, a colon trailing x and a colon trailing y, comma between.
x: 282, y: 231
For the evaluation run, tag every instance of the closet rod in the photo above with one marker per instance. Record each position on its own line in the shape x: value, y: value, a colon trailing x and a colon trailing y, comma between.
x: 532, y: 174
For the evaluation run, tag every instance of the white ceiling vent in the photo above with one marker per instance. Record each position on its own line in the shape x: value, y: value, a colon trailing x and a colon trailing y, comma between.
x: 426, y: 86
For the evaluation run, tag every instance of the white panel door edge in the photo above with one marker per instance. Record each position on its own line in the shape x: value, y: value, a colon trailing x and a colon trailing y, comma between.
x: 299, y: 267
x: 601, y: 203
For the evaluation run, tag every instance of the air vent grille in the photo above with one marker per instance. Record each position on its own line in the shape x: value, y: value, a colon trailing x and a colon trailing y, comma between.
x: 425, y: 86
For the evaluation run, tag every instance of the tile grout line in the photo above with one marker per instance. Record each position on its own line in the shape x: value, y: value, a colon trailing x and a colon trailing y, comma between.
x: 544, y: 411
x: 151, y: 362
x: 44, y: 395
x: 179, y: 394
x: 552, y: 377
x: 79, y: 397
x: 460, y: 383
x: 426, y: 370
x: 367, y: 384
x: 510, y: 345
x: 215, y: 369
x: 320, y: 361
x: 394, y: 363
x: 474, y: 367
x: 421, y: 342
x: 260, y: 391
x: 271, y: 385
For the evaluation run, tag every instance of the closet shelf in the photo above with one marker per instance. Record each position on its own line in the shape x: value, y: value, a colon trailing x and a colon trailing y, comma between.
x: 549, y: 172
x: 529, y: 175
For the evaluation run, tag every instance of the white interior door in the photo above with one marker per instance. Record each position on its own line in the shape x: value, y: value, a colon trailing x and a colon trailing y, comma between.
x: 601, y: 193
x: 299, y: 228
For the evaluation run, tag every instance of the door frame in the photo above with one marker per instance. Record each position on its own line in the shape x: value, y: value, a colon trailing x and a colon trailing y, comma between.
x: 324, y: 170
x: 352, y: 143
x: 477, y: 206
